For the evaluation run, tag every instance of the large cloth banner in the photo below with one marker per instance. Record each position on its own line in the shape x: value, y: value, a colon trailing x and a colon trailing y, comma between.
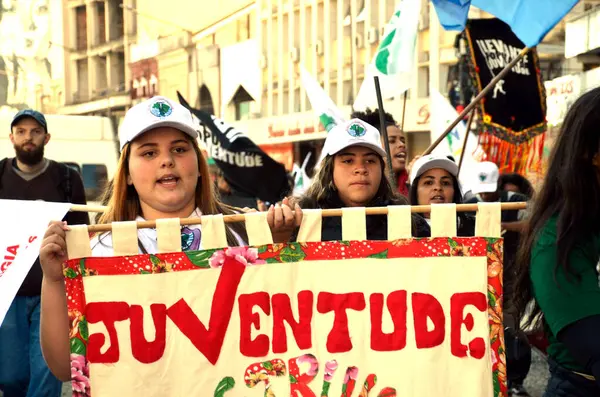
x: 410, y: 317
x: 24, y: 223
x: 512, y: 116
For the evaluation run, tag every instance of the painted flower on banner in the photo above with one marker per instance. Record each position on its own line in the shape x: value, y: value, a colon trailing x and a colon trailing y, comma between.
x: 246, y: 255
x: 461, y: 250
x: 330, y: 367
x: 80, y: 376
x: 75, y: 318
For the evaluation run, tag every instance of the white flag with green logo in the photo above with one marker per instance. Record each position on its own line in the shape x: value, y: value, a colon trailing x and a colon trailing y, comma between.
x: 327, y: 112
x: 395, y: 58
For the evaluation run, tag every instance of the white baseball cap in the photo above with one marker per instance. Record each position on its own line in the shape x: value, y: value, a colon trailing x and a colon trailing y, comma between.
x: 153, y: 113
x: 485, y: 178
x: 350, y: 133
x: 430, y: 162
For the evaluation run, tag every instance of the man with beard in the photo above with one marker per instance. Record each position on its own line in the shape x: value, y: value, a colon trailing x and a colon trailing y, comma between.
x: 30, y: 176
x: 397, y: 142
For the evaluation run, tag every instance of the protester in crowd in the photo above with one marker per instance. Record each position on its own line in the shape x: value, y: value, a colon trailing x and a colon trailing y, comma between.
x: 558, y: 260
x: 516, y: 183
x: 161, y: 174
x: 352, y: 174
x: 231, y: 196
x: 31, y: 176
x: 397, y: 142
x: 486, y: 187
x: 434, y: 180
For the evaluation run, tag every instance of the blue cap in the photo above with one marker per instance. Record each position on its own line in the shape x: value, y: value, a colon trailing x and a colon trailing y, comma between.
x: 34, y: 114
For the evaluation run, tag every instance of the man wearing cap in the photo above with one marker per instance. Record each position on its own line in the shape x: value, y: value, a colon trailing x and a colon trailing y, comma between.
x: 30, y: 176
x: 486, y: 188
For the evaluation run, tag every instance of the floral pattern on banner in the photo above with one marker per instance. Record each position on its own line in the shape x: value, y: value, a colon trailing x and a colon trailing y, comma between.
x: 76, y: 269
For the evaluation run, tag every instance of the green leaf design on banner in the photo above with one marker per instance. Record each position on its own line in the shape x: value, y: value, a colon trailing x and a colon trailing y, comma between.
x: 292, y: 253
x: 200, y: 258
x: 77, y: 346
x: 142, y: 271
x: 83, y: 329
x: 272, y: 260
x: 154, y: 259
x: 346, y: 243
x: 268, y: 366
x: 262, y: 249
x: 70, y: 273
x: 293, y: 379
x: 380, y: 255
x: 325, y: 391
x: 226, y: 384
x: 452, y: 243
x: 492, y: 299
x: 496, y: 383
x: 82, y: 266
x: 344, y: 387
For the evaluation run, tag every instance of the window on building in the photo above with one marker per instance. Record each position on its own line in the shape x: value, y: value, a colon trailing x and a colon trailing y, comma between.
x: 94, y: 178
x: 101, y: 21
x: 81, y: 28
x: 205, y: 101
x: 241, y: 100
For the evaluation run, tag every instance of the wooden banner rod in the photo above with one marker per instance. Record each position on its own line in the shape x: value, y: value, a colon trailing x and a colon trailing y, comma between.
x: 326, y: 213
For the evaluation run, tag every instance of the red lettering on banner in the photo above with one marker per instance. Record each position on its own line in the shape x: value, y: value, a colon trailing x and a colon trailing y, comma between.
x: 260, y: 345
x: 338, y: 340
x: 142, y: 350
x: 458, y: 302
x: 282, y: 311
x: 32, y: 239
x: 299, y: 380
x: 425, y: 307
x: 381, y: 341
x: 108, y: 313
x: 210, y: 340
x: 13, y: 250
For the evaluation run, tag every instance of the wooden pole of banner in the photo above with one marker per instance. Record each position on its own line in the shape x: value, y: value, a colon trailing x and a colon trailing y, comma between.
x: 464, y: 148
x: 383, y: 131
x: 478, y: 98
x: 325, y: 213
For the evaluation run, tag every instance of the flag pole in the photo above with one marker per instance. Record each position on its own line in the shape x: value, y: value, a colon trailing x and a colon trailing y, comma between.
x: 464, y: 148
x: 478, y: 98
x: 403, y: 112
x: 383, y: 131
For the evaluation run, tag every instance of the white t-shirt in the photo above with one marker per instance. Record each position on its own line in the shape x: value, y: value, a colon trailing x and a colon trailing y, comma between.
x: 191, y: 237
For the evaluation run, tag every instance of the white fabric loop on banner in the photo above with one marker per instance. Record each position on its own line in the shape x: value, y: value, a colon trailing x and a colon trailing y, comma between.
x: 124, y: 237
x: 399, y: 222
x: 488, y: 220
x: 168, y: 235
x: 78, y: 242
x: 213, y: 232
x: 443, y: 220
x: 354, y: 224
x: 310, y: 228
x: 257, y: 227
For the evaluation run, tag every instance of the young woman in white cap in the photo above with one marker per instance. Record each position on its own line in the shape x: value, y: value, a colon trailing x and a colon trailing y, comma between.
x: 352, y: 174
x: 434, y: 180
x: 162, y: 173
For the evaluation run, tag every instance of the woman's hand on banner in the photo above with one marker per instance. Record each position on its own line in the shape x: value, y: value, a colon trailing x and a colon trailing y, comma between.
x: 53, y: 251
x: 283, y: 219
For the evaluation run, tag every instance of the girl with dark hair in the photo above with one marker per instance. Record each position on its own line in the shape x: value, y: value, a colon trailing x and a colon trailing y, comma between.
x: 352, y: 174
x: 516, y: 183
x: 434, y: 181
x: 558, y: 267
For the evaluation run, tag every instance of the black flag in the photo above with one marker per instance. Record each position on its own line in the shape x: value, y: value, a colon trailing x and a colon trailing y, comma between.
x: 245, y: 166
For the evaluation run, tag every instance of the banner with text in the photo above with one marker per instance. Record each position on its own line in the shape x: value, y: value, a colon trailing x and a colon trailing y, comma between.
x: 24, y: 224
x: 403, y: 318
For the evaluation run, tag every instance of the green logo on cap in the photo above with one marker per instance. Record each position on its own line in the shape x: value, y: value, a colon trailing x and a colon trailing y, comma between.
x: 482, y: 177
x: 356, y: 130
x: 161, y: 109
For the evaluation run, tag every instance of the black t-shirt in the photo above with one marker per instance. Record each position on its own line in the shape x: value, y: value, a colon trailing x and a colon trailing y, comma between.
x: 48, y: 186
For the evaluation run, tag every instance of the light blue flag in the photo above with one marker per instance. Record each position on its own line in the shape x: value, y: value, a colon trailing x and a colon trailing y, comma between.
x: 530, y: 20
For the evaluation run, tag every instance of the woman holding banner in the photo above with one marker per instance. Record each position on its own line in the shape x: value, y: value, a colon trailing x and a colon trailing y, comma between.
x: 434, y: 180
x: 352, y: 174
x: 558, y: 266
x: 162, y: 173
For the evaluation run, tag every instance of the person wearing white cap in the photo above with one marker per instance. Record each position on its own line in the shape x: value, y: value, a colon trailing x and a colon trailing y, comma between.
x: 352, y: 174
x: 433, y: 180
x: 162, y: 173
